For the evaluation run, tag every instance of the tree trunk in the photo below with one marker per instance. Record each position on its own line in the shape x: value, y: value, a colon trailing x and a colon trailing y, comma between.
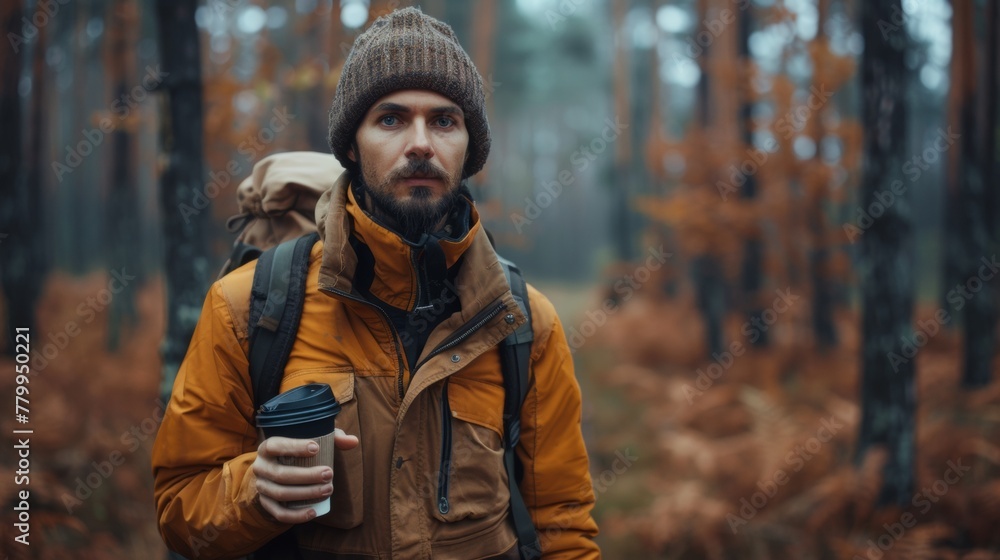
x: 952, y: 249
x: 122, y: 232
x: 991, y: 144
x: 186, y: 267
x: 11, y: 184
x: 22, y: 261
x: 710, y: 298
x: 824, y: 330
x: 621, y: 215
x: 977, y: 232
x: 753, y: 249
x: 710, y: 287
x: 888, y: 397
x: 79, y: 248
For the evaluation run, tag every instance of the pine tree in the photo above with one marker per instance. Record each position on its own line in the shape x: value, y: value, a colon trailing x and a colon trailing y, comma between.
x: 186, y: 267
x: 22, y: 258
x: 888, y: 398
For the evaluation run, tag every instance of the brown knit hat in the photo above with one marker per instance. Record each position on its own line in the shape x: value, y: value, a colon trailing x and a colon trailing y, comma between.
x: 408, y: 50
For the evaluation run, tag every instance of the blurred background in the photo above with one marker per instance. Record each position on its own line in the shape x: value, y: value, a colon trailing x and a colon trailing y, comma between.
x: 769, y: 227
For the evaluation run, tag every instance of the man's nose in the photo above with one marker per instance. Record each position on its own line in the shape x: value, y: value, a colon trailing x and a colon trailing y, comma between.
x: 420, y: 141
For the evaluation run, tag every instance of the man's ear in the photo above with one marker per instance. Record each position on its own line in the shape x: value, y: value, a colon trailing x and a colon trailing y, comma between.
x: 351, y: 153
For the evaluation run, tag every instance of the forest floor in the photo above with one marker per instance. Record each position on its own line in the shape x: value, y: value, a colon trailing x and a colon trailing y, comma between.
x: 94, y: 414
x: 752, y: 458
x: 751, y: 455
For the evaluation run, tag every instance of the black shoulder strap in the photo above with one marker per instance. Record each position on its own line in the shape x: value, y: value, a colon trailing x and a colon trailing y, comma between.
x: 276, y: 300
x: 241, y: 254
x: 515, y: 357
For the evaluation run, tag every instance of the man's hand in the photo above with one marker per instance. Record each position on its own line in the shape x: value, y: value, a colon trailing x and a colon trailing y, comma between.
x: 278, y: 483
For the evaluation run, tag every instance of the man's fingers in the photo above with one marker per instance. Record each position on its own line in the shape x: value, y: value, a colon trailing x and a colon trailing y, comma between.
x: 286, y: 515
x: 287, y: 447
x: 277, y: 483
x: 343, y: 441
x: 291, y: 474
x: 283, y: 493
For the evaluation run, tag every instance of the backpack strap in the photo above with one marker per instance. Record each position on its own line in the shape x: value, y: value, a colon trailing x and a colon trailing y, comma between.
x: 241, y: 254
x: 515, y: 358
x: 276, y: 301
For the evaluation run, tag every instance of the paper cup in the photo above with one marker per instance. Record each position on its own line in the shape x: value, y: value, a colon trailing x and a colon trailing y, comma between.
x: 306, y: 412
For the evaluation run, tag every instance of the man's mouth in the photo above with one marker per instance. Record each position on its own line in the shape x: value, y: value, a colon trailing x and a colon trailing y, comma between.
x: 421, y: 178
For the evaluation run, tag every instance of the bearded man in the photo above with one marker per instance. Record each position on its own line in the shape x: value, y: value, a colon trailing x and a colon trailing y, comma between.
x: 406, y: 304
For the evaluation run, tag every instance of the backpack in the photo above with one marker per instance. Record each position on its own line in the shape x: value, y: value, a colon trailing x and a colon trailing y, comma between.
x: 276, y: 301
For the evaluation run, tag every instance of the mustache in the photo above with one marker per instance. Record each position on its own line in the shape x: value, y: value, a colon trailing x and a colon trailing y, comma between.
x: 420, y: 168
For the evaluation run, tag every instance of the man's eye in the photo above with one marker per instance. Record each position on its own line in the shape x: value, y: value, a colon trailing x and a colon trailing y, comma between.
x: 445, y: 121
x: 389, y: 120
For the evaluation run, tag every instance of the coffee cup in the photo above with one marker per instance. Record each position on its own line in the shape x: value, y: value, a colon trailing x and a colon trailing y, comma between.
x: 305, y: 412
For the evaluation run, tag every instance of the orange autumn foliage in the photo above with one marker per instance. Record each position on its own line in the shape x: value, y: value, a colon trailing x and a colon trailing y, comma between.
x: 707, y: 443
x: 94, y: 416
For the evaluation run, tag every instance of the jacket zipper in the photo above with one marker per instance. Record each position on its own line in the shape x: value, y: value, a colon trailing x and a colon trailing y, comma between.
x: 445, y: 472
x: 417, y: 270
x: 392, y: 331
x: 478, y: 322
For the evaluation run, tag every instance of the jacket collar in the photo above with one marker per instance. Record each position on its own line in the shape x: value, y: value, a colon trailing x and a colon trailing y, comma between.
x: 480, y: 280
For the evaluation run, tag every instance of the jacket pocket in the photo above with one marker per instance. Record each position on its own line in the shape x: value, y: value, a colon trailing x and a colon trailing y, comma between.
x: 346, y: 503
x: 472, y: 482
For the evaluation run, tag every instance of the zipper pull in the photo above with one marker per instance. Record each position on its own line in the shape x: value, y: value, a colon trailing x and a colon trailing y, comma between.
x: 443, y: 505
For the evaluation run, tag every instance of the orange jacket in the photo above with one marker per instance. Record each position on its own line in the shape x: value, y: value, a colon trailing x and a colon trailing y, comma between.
x: 385, y: 500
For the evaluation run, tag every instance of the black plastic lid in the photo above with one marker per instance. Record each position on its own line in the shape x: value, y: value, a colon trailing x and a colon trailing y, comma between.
x: 299, y: 405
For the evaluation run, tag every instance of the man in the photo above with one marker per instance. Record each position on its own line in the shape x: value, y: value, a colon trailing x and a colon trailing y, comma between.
x: 405, y: 306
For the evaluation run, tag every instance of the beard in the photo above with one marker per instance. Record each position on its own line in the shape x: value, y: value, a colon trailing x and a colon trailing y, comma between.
x: 420, y: 214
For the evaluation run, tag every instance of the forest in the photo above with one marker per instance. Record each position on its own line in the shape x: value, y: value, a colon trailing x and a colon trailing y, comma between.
x: 769, y: 227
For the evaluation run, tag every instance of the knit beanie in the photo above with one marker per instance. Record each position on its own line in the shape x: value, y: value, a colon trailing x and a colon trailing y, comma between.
x: 408, y: 50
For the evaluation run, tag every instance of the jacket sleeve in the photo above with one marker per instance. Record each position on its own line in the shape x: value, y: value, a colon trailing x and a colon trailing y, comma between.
x: 206, y: 496
x: 556, y: 485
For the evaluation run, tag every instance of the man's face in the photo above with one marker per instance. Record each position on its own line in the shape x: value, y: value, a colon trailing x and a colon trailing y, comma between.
x: 412, y: 146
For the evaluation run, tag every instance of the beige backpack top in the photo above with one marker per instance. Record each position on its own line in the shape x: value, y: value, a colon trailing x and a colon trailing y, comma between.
x: 278, y: 202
